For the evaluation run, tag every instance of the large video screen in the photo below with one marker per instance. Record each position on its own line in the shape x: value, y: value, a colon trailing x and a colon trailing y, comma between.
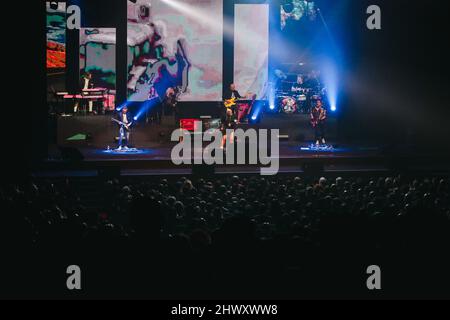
x: 98, y: 55
x: 296, y: 10
x: 56, y: 35
x: 174, y: 43
x: 251, y: 49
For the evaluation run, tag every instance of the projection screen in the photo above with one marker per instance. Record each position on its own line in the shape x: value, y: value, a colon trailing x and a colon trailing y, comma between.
x: 174, y: 43
x: 251, y: 48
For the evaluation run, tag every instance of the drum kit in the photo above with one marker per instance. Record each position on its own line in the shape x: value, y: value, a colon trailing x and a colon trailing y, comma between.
x: 297, y: 97
x: 299, y: 101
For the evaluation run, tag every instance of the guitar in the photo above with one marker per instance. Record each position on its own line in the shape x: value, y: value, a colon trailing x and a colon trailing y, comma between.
x: 233, y: 101
x: 316, y: 119
x: 230, y: 102
x: 125, y: 125
x: 315, y: 122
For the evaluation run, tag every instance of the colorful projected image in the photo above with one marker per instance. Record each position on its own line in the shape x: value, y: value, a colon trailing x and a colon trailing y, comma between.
x: 56, y: 35
x: 296, y: 10
x: 98, y: 55
x: 251, y: 49
x: 175, y: 44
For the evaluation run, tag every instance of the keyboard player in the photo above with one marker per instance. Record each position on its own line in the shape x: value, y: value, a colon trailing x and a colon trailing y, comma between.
x: 86, y: 83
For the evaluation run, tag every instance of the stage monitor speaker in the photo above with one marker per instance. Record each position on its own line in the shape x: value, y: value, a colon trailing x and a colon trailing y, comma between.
x: 203, y: 170
x: 71, y: 154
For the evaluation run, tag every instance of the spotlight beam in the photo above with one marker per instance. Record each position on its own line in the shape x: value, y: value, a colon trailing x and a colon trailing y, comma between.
x: 146, y: 107
x: 203, y: 16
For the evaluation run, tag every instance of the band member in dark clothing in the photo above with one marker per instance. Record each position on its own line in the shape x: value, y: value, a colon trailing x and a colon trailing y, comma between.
x: 318, y: 121
x: 299, y: 86
x: 232, y: 93
x: 229, y: 122
x: 230, y: 96
x: 125, y: 122
x: 86, y: 82
x: 170, y: 104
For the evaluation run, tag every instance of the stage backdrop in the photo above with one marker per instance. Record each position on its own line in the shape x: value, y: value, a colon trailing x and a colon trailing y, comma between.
x: 56, y: 35
x: 175, y: 43
x: 98, y: 55
x: 251, y: 48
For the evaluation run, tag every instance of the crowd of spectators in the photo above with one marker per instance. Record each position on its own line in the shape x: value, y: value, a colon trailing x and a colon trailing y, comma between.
x: 228, y: 236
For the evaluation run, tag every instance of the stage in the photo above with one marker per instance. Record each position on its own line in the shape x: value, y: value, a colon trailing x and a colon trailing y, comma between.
x: 88, y: 143
x: 293, y: 158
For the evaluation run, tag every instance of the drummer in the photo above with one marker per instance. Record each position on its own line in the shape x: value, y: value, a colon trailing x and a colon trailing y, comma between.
x: 299, y: 86
x: 299, y: 92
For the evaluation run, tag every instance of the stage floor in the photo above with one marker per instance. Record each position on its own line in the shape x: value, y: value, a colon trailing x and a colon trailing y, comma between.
x: 287, y: 150
x: 157, y: 161
x: 294, y: 158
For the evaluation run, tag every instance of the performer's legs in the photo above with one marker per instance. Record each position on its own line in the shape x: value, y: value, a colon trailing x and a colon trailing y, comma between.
x: 91, y: 106
x: 231, y: 136
x: 127, y: 142
x: 121, y: 138
x: 228, y: 137
x: 224, y: 141
x: 317, y: 134
x: 240, y: 113
x: 322, y: 132
x: 233, y: 109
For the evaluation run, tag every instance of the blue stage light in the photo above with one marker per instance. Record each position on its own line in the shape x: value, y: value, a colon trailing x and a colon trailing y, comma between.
x: 330, y: 77
x: 271, y: 96
x: 257, y: 109
x: 123, y: 105
x: 146, y: 106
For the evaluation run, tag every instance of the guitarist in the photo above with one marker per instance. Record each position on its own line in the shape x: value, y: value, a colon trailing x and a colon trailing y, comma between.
x: 125, y: 121
x: 231, y: 95
x: 318, y: 122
